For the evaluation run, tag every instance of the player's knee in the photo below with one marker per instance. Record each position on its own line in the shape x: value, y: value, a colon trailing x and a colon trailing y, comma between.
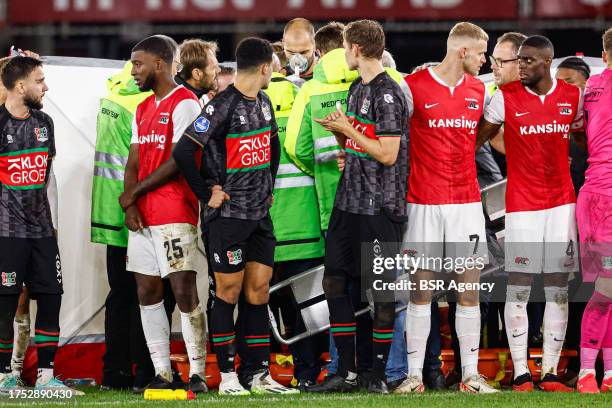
x: 555, y: 279
x: 149, y: 294
x: 229, y: 291
x: 186, y: 299
x: 257, y: 292
x: 519, y: 279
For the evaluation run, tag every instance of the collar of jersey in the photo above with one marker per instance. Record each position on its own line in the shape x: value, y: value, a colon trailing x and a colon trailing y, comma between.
x: 170, y: 93
x: 441, y: 82
x: 550, y: 91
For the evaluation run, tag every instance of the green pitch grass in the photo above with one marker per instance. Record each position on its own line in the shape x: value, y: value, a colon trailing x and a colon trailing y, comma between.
x: 97, y: 398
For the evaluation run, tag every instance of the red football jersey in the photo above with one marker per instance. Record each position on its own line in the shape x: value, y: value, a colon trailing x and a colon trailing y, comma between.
x: 536, y: 135
x: 158, y: 124
x: 443, y: 129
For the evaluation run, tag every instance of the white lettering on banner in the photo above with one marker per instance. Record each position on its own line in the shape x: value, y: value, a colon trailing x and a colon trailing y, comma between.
x: 594, y: 3
x: 208, y: 5
x: 435, y: 3
x: 81, y: 5
x: 545, y: 128
x: 329, y: 4
x: 28, y: 169
x: 453, y: 123
x: 213, y: 5
x: 152, y: 138
x: 257, y: 150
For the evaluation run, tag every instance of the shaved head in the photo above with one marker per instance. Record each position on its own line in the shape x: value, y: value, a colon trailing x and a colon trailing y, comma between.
x: 299, y: 24
x: 298, y: 38
x: 540, y: 43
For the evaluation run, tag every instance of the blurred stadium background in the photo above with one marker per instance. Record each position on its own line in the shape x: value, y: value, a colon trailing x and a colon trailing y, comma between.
x: 416, y: 29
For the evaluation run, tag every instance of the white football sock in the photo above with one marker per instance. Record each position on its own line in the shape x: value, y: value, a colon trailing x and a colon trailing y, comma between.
x: 21, y: 325
x: 418, y: 325
x: 555, y: 325
x: 467, y: 324
x: 517, y: 326
x: 193, y: 325
x: 157, y: 333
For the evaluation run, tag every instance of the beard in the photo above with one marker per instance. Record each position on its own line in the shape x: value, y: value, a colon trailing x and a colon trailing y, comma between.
x: 32, y: 102
x: 148, y: 83
x: 207, y: 83
x: 531, y: 81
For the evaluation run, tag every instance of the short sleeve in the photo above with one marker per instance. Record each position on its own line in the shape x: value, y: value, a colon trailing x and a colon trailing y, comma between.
x: 409, y: 98
x: 273, y: 124
x: 52, y: 150
x: 391, y: 113
x: 495, y: 110
x: 211, y: 122
x: 183, y: 115
x: 266, y: 107
x: 487, y: 97
x: 134, y: 131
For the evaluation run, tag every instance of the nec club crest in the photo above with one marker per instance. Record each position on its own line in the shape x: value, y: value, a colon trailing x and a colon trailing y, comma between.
x: 265, y: 108
x: 365, y: 107
x: 234, y: 257
x: 41, y: 134
x: 9, y: 279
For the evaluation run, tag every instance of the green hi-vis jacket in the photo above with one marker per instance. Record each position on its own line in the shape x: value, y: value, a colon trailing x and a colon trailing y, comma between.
x: 295, y: 213
x: 113, y: 135
x: 308, y: 144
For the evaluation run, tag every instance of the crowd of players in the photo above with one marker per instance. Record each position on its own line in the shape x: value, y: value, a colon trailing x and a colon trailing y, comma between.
x: 294, y: 164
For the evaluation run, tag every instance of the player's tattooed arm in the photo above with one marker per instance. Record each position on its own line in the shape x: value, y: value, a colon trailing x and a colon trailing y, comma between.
x: 486, y: 130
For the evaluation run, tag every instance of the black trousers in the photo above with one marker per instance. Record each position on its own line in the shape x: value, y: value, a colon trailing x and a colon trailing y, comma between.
x: 125, y: 341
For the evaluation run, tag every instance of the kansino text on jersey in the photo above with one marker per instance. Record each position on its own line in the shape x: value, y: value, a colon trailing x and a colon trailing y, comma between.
x: 433, y: 285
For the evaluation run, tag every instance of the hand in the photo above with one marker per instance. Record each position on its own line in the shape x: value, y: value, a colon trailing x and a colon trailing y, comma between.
x: 341, y: 159
x: 133, y: 219
x: 127, y: 199
x: 337, y: 122
x: 217, y: 197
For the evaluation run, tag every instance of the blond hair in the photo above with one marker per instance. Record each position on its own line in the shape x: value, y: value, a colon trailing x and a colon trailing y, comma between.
x: 468, y: 30
x: 607, y: 41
